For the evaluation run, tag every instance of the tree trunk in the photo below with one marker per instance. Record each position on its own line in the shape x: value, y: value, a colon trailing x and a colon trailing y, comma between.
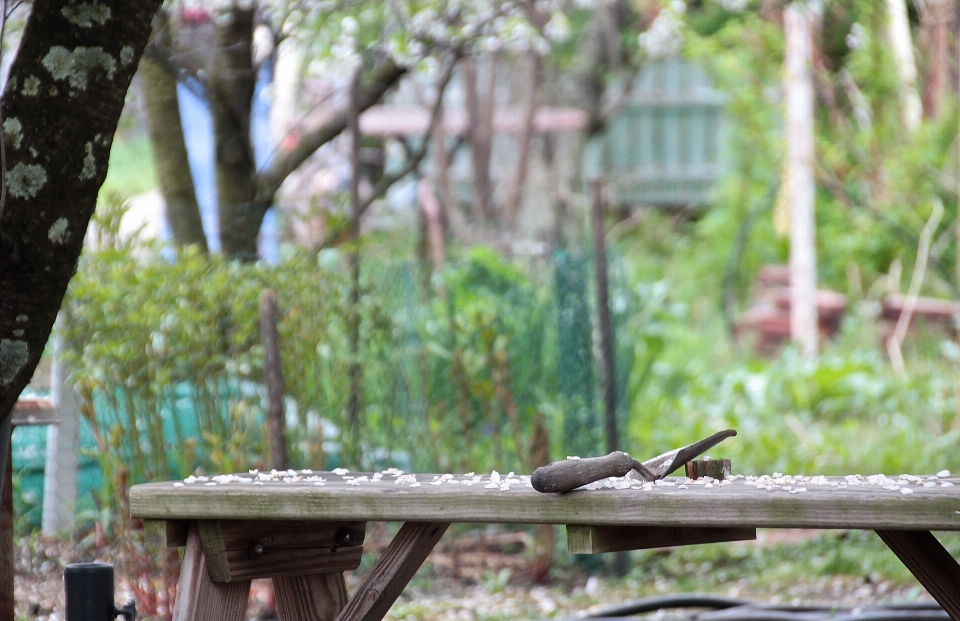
x: 232, y: 82
x: 441, y: 177
x: 936, y: 39
x: 61, y: 107
x: 798, y: 93
x: 166, y: 139
x: 511, y: 205
x: 479, y: 135
x: 382, y: 77
x: 431, y: 209
x: 902, y: 46
x: 598, y: 52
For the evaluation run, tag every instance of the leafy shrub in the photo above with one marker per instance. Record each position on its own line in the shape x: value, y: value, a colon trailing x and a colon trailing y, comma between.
x: 168, y: 355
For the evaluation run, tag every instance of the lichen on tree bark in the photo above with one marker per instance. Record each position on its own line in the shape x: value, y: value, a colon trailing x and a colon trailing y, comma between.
x: 66, y: 110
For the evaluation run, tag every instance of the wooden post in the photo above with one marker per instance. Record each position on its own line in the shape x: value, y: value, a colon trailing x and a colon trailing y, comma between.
x: 201, y: 599
x: 621, y: 560
x: 935, y: 26
x: 718, y: 469
x: 956, y: 226
x: 604, y: 320
x: 60, y: 469
x: 798, y: 91
x: 354, y: 371
x: 273, y: 379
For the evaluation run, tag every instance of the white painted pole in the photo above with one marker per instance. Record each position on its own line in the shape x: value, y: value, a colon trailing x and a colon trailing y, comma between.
x: 799, y: 96
x: 901, y: 43
x: 63, y: 446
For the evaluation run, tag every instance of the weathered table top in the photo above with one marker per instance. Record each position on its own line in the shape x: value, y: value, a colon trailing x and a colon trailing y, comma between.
x: 875, y: 502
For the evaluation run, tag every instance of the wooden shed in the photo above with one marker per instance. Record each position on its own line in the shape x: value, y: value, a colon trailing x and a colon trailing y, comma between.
x: 665, y: 147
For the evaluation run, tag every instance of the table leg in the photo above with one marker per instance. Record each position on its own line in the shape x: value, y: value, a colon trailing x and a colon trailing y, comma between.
x: 312, y: 597
x: 201, y: 599
x: 399, y: 562
x: 930, y: 562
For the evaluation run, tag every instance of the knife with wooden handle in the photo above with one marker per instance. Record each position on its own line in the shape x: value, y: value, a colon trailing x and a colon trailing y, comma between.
x: 569, y: 474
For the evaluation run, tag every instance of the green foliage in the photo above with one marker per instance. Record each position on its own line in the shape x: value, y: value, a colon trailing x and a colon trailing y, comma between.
x: 776, y: 567
x: 847, y: 412
x: 876, y: 182
x: 169, y: 355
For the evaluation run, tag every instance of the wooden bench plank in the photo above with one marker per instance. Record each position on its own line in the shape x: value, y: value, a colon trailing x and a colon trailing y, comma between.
x: 34, y: 411
x: 820, y: 506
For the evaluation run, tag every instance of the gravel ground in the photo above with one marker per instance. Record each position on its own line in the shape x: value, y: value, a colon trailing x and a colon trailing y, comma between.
x: 491, y: 584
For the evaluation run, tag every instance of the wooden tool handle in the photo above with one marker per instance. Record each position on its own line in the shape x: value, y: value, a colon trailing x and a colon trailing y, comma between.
x: 563, y: 476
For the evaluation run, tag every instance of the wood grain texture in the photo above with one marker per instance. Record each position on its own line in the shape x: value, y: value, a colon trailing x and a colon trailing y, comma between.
x: 598, y: 539
x: 214, y: 550
x: 315, y: 597
x: 399, y: 562
x: 165, y: 533
x: 292, y: 562
x: 568, y: 474
x: 247, y: 549
x: 201, y: 599
x: 932, y: 565
x: 277, y: 534
x: 862, y: 507
x: 718, y: 469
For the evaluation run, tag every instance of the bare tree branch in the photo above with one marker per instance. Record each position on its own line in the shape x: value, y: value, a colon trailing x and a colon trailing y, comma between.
x: 415, y: 157
x: 384, y: 76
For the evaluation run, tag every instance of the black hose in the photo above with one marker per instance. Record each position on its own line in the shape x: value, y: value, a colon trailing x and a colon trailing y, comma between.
x: 895, y: 615
x: 722, y: 608
x: 652, y: 604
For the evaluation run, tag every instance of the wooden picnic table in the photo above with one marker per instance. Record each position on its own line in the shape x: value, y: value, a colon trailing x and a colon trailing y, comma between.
x: 303, y: 528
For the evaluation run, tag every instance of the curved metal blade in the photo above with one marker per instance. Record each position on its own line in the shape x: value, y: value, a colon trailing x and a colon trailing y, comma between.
x: 662, y: 465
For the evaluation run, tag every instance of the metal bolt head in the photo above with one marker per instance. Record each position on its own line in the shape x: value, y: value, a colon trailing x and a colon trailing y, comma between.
x: 255, y: 550
x: 344, y: 537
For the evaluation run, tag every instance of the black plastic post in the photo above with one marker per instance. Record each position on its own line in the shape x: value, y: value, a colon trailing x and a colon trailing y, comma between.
x: 89, y: 588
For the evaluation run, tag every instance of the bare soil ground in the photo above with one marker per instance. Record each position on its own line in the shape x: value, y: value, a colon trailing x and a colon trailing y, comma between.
x: 476, y: 577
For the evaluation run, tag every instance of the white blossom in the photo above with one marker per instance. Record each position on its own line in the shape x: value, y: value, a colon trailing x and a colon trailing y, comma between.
x: 664, y: 38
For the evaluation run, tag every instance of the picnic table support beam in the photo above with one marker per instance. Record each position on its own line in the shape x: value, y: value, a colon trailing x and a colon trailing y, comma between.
x: 600, y: 539
x: 314, y: 597
x: 929, y: 561
x: 201, y: 599
x: 399, y: 562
